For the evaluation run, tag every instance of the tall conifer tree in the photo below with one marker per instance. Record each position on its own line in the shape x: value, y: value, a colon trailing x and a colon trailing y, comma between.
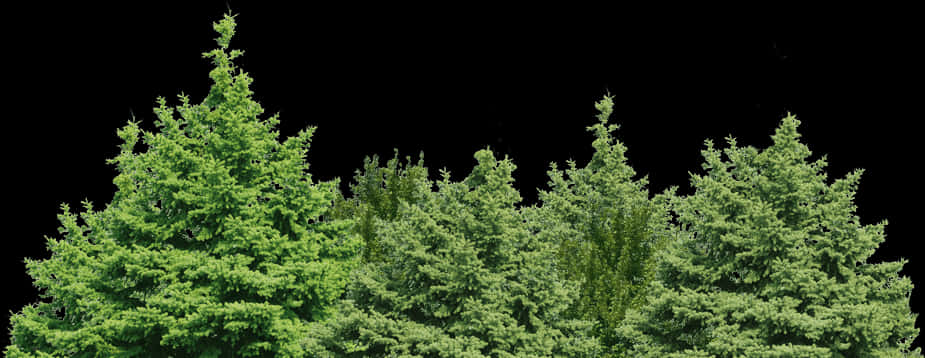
x: 606, y: 228
x: 461, y: 277
x: 211, y: 247
x: 775, y: 264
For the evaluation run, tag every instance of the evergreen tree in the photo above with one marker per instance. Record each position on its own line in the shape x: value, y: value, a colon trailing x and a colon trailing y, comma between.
x: 775, y: 264
x: 606, y: 228
x: 461, y: 277
x: 212, y: 246
x: 377, y: 192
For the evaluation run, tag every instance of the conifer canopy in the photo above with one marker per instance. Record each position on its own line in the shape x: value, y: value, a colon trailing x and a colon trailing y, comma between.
x: 461, y: 277
x: 377, y: 195
x: 217, y: 243
x: 774, y: 263
x: 606, y: 228
x: 212, y: 245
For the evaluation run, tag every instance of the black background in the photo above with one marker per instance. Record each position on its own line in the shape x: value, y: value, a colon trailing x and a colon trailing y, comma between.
x: 450, y: 81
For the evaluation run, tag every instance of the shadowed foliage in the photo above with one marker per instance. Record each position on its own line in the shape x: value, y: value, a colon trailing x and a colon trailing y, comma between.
x: 461, y: 276
x: 607, y: 230
x: 377, y: 194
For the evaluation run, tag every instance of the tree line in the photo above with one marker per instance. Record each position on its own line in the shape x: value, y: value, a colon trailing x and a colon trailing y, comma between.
x: 217, y: 243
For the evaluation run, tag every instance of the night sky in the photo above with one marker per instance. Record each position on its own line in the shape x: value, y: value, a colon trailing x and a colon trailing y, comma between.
x: 454, y: 81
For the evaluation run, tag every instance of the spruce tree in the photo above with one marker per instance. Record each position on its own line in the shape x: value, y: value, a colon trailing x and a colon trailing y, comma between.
x: 212, y: 245
x: 461, y: 277
x: 606, y: 229
x: 377, y: 192
x: 774, y: 264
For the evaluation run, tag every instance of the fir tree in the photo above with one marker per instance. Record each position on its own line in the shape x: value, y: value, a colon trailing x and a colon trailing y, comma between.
x: 377, y: 193
x: 775, y: 264
x: 212, y: 246
x: 461, y: 277
x: 606, y: 228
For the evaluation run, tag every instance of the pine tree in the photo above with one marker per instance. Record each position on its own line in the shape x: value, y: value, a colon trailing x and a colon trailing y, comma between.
x: 377, y: 193
x: 606, y: 228
x: 212, y: 246
x: 461, y: 277
x: 775, y: 264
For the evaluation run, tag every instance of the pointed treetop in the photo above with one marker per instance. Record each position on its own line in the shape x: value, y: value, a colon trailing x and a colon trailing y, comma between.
x: 787, y: 139
x: 493, y: 175
x: 225, y: 29
x: 223, y: 74
x: 605, y: 107
x: 607, y: 151
x: 787, y: 130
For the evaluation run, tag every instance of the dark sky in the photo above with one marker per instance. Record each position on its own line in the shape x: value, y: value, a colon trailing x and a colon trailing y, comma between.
x: 455, y: 81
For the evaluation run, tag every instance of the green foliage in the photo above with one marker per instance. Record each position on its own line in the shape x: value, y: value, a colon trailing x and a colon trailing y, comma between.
x: 377, y: 193
x: 212, y: 246
x: 606, y: 228
x: 218, y: 244
x: 462, y: 276
x: 775, y: 264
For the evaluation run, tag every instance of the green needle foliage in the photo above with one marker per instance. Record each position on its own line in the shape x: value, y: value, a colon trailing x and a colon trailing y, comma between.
x: 462, y: 276
x: 377, y: 194
x: 211, y: 247
x: 775, y: 265
x: 218, y: 244
x: 606, y: 227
